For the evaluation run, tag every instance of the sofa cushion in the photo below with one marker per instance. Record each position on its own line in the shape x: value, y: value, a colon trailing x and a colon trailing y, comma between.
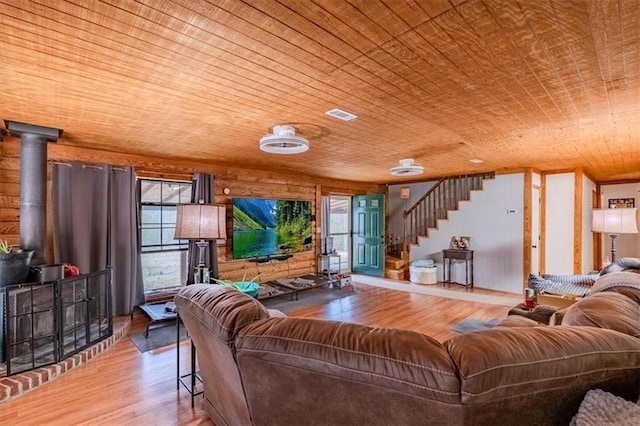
x: 364, y: 374
x: 518, y: 321
x: 606, y: 310
x: 627, y: 283
x: 396, y: 358
x: 526, y: 362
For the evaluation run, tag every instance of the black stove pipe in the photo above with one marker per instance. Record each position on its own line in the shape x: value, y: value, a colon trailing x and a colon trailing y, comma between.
x: 33, y: 185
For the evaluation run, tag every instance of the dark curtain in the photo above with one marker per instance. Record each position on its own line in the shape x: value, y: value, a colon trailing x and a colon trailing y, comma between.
x: 202, y: 190
x: 95, y: 226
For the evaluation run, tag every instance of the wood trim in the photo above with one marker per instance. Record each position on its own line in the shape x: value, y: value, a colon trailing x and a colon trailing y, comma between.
x: 577, y: 220
x: 528, y: 226
x: 597, y: 238
x: 163, y: 167
x: 511, y: 171
x: 619, y: 182
x: 559, y: 171
x: 318, y: 222
x: 543, y: 222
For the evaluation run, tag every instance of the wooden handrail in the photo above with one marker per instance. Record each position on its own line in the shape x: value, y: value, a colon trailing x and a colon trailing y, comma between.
x: 424, y: 197
x: 436, y: 203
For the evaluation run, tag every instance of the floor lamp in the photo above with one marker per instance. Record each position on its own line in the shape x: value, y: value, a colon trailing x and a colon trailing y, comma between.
x: 615, y: 222
x: 202, y: 223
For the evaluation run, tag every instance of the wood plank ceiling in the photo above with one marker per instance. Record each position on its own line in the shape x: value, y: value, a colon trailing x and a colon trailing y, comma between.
x: 550, y: 84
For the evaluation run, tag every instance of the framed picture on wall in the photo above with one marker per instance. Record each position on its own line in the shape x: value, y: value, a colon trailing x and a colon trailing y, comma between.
x: 621, y: 203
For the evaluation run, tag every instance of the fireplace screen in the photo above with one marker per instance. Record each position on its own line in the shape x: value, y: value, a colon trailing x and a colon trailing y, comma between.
x: 49, y: 322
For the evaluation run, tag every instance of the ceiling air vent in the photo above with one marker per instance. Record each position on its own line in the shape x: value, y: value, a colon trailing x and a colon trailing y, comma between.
x: 342, y: 115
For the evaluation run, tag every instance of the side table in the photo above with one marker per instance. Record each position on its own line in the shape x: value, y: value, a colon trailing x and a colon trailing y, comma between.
x: 467, y: 256
x: 324, y: 266
x: 192, y: 380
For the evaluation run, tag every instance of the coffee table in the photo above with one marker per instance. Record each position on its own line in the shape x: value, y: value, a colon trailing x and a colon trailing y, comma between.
x: 157, y: 313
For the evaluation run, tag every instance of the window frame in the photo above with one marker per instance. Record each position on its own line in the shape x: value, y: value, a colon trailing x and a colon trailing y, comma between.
x: 169, y: 246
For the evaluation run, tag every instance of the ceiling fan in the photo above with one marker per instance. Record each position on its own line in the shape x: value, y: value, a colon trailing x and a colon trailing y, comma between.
x: 407, y: 167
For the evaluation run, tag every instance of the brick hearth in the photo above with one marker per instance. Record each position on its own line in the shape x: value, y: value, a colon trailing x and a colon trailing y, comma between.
x: 18, y: 384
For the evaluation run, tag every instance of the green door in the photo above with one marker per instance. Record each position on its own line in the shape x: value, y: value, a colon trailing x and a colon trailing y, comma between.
x: 368, y: 235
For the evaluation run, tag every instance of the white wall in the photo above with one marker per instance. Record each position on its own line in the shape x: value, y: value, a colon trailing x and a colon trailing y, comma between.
x: 396, y: 205
x: 559, y: 219
x: 497, y: 237
x: 588, y: 187
x: 627, y: 245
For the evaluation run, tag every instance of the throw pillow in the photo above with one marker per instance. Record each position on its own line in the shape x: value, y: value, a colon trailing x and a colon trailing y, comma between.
x: 600, y: 408
x: 631, y: 264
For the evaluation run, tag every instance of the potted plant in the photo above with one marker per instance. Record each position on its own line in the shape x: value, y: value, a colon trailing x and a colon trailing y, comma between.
x: 14, y: 264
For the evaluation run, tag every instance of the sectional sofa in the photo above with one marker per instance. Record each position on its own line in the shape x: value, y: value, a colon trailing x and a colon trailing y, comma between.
x: 263, y: 370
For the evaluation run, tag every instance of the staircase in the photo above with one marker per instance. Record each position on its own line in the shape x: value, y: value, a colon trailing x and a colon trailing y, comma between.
x: 396, y: 268
x: 434, y: 205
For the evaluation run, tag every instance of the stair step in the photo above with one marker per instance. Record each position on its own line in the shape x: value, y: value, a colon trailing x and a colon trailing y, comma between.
x: 396, y: 274
x: 394, y: 262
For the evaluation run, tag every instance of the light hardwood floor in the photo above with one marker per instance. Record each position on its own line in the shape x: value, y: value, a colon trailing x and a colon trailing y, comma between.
x: 126, y: 387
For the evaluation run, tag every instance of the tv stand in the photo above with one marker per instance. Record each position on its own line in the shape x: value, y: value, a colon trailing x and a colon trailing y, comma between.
x: 269, y: 258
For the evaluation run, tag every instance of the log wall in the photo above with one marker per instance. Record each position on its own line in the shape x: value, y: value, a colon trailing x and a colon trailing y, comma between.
x: 241, y: 183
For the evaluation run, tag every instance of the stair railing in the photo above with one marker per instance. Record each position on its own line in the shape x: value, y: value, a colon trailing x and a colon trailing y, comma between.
x: 436, y: 203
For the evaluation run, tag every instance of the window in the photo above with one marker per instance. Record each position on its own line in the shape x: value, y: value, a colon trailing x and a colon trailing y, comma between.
x: 164, y: 260
x: 340, y: 228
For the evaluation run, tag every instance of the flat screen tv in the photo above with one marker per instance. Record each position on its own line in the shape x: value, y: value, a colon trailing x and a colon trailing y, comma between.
x: 263, y: 227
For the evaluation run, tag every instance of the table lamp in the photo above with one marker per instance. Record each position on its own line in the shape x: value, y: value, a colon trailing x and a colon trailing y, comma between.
x: 203, y: 223
x: 614, y: 222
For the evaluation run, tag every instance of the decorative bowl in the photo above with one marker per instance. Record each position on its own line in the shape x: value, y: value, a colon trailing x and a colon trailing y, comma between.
x: 248, y: 287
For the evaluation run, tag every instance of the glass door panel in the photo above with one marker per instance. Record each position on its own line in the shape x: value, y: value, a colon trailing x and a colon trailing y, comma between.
x: 340, y: 228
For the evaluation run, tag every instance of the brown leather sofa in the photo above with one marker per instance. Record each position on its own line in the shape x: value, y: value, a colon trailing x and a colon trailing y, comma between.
x: 262, y: 370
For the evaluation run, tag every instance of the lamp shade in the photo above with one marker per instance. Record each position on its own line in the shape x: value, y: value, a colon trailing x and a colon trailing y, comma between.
x: 200, y: 222
x: 615, y: 221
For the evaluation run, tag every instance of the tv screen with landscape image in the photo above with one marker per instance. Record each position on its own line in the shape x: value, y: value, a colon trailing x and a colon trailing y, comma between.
x: 263, y: 227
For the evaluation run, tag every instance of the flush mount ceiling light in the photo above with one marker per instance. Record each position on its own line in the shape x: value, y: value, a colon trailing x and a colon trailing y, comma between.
x: 407, y: 168
x: 284, y: 141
